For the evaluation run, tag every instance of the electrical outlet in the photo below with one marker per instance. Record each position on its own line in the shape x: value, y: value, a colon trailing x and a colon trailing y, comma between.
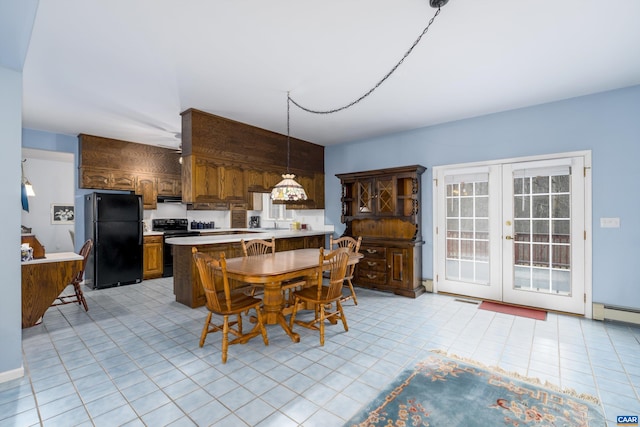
x: 609, y: 222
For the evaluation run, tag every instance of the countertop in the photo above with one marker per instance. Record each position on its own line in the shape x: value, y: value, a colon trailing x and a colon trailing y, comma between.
x: 234, y: 235
x: 55, y: 257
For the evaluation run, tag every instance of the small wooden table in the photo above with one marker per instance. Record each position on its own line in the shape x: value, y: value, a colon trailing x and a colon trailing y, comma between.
x: 43, y: 280
x: 271, y: 270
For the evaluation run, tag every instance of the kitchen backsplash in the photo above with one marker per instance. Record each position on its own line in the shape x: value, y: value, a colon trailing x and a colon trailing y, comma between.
x: 222, y: 219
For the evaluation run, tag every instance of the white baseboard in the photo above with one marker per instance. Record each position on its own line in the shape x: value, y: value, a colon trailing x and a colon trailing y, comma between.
x: 428, y: 285
x: 621, y: 314
x: 12, y: 374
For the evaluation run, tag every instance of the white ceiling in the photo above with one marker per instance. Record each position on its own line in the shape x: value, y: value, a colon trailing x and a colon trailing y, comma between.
x: 126, y: 69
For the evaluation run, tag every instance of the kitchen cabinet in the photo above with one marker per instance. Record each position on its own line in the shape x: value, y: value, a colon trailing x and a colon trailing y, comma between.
x: 169, y: 186
x: 254, y: 180
x: 384, y: 208
x: 152, y: 256
x: 186, y: 281
x: 110, y: 164
x: 105, y: 179
x: 305, y: 242
x: 227, y: 161
x: 205, y: 181
x: 147, y: 187
x: 232, y: 186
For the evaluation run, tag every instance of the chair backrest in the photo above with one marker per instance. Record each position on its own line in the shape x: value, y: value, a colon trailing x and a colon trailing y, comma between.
x: 84, y: 253
x: 337, y: 261
x: 258, y: 246
x: 345, y: 242
x: 213, y: 276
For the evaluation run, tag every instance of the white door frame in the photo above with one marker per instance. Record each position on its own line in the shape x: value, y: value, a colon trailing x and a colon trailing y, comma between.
x: 588, y: 215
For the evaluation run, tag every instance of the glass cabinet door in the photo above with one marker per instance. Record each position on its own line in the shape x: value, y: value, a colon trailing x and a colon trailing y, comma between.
x: 385, y: 196
x: 365, y: 196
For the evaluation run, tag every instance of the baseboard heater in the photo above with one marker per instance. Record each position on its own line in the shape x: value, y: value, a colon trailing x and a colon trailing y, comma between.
x: 612, y: 312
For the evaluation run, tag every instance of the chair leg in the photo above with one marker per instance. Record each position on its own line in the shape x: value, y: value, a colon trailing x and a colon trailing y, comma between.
x: 205, y: 329
x: 353, y: 292
x: 321, y: 319
x: 225, y: 339
x: 263, y: 330
x: 239, y: 323
x: 344, y: 319
x: 80, y: 296
x: 293, y: 313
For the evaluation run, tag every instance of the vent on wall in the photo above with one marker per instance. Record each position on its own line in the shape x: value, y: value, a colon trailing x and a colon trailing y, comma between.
x: 612, y: 312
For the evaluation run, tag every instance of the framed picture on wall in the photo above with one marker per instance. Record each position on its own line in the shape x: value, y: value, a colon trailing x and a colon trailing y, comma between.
x: 62, y: 213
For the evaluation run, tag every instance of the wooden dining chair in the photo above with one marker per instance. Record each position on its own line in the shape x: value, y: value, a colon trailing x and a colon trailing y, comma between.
x: 76, y: 282
x: 354, y: 245
x: 261, y: 247
x: 256, y: 247
x: 223, y: 302
x: 320, y: 297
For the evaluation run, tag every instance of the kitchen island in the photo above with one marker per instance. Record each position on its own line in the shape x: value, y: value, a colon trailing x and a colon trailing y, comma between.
x: 186, y: 283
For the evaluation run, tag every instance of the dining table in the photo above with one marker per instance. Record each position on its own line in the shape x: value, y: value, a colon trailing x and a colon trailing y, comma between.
x: 271, y: 270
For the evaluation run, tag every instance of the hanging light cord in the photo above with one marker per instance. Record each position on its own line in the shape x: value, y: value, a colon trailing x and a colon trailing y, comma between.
x: 22, y: 166
x: 351, y: 104
x: 288, y: 133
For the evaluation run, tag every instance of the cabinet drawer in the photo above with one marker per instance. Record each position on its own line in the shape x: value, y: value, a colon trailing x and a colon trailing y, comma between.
x: 373, y: 264
x: 373, y: 251
x: 370, y: 277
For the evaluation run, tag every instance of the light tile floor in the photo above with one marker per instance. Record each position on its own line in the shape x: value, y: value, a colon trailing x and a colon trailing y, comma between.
x: 134, y: 359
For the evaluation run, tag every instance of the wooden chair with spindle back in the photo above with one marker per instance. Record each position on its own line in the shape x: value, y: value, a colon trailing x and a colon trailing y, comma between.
x: 322, y: 297
x: 354, y: 245
x: 261, y: 247
x: 223, y: 302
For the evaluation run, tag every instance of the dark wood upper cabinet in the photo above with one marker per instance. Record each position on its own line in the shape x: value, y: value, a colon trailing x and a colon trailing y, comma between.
x: 111, y: 164
x: 225, y: 160
x: 223, y: 163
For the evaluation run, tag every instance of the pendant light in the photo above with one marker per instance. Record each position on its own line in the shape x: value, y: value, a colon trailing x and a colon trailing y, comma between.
x: 26, y: 189
x: 288, y: 190
x: 27, y: 185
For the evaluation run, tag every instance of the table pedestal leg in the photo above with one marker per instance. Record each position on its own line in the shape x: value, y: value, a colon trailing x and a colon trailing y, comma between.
x: 272, y: 308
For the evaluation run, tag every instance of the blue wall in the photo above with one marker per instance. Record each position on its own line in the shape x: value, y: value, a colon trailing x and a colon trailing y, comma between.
x: 608, y: 124
x: 67, y: 144
x: 10, y: 302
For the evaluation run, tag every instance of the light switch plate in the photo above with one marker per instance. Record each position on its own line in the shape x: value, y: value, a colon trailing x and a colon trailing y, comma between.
x: 609, y: 222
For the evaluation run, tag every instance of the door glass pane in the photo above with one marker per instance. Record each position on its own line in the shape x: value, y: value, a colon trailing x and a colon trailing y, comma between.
x: 542, y: 225
x: 468, y: 231
x: 560, y: 184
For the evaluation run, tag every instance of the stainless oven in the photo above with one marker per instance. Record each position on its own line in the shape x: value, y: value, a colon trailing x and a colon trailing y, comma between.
x: 171, y: 227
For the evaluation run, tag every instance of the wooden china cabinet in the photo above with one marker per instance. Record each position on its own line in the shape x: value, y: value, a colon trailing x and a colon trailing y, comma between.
x: 383, y: 206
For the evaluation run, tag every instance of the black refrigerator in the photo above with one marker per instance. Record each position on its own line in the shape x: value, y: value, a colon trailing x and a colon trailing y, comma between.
x: 114, y: 223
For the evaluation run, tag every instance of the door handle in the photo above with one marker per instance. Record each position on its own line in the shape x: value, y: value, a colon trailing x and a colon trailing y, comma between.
x: 508, y: 237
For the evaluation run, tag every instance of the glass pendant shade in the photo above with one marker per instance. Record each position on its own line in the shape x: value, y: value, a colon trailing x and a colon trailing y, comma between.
x: 288, y: 190
x: 29, y: 188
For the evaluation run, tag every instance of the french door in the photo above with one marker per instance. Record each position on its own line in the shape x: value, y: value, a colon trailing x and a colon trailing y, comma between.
x: 513, y: 231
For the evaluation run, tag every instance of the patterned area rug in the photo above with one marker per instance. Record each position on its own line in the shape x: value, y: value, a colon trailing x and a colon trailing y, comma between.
x: 447, y: 391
